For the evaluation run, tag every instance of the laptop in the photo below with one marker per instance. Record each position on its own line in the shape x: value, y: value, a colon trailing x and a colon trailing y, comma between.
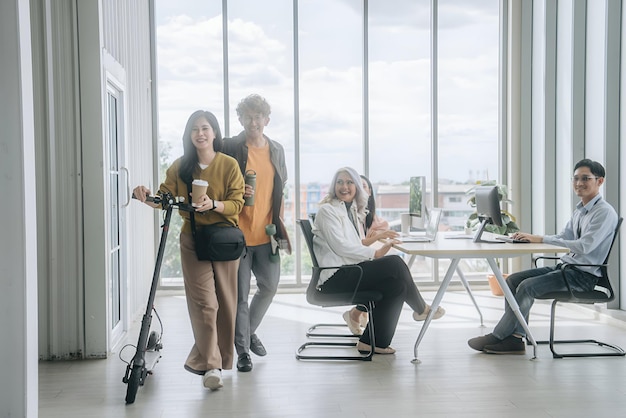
x: 432, y: 226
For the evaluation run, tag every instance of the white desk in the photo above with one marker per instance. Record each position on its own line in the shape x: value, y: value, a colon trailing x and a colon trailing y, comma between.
x: 457, y: 249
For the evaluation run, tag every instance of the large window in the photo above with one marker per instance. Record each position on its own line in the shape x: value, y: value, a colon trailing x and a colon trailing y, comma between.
x: 260, y: 60
x: 189, y: 58
x: 350, y: 84
x: 467, y: 116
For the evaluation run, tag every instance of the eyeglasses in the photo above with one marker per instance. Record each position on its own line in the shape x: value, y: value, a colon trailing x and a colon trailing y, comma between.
x: 583, y: 179
x: 258, y: 118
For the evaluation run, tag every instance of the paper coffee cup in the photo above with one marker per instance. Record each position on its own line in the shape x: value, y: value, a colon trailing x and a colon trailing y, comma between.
x: 198, y: 189
x: 405, y: 223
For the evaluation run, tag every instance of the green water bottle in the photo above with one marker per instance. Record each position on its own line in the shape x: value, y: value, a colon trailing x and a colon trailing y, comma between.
x: 250, y: 178
x: 271, y: 231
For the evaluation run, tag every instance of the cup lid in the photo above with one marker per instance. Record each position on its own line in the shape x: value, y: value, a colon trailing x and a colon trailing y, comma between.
x: 200, y: 182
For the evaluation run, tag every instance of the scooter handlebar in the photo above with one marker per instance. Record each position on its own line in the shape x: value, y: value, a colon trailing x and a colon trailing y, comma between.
x: 167, y: 199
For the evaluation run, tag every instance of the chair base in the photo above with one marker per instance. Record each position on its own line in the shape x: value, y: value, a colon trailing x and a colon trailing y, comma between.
x: 311, y: 332
x: 329, y: 344
x: 616, y: 351
x: 319, y: 344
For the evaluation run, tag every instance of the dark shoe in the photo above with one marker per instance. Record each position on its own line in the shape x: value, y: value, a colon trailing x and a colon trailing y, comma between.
x: 510, y: 345
x: 244, y: 362
x: 256, y: 346
x: 479, y: 343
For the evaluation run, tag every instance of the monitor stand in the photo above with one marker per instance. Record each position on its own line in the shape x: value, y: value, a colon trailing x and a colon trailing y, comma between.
x: 478, y: 237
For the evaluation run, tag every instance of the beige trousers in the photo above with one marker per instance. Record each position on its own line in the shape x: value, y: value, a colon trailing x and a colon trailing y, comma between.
x: 211, y: 291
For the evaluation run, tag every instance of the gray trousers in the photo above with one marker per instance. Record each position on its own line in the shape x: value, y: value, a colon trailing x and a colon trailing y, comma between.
x: 267, y: 273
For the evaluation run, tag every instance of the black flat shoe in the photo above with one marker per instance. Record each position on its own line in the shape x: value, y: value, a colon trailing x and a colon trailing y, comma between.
x: 244, y: 362
x: 256, y: 346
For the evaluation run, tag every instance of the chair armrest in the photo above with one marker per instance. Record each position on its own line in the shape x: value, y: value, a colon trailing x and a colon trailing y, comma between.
x: 572, y: 265
x: 544, y: 257
x: 348, y: 267
x: 566, y: 266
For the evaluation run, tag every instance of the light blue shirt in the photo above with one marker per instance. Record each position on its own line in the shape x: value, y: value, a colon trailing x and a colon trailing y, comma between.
x: 596, y: 222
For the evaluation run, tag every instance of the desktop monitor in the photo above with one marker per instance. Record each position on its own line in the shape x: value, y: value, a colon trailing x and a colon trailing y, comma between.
x: 488, y: 209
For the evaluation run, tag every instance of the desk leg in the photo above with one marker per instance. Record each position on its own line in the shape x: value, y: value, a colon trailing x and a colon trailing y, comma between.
x: 411, y: 260
x: 433, y: 307
x: 512, y: 303
x: 469, y: 292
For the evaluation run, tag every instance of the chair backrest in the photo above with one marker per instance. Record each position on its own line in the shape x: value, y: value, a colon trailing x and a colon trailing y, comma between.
x: 604, y: 280
x: 307, y: 232
x: 619, y: 224
x: 312, y: 294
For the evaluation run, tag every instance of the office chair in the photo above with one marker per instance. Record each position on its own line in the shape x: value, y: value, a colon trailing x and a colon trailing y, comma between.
x: 603, y: 292
x: 313, y: 330
x: 367, y: 299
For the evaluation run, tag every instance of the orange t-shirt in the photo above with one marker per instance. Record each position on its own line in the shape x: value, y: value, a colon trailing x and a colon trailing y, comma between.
x: 253, y: 219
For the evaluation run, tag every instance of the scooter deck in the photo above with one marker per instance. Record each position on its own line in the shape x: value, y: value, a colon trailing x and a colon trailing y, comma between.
x: 152, y: 357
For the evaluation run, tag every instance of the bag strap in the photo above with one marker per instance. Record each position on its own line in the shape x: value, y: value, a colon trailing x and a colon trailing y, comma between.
x: 192, y: 218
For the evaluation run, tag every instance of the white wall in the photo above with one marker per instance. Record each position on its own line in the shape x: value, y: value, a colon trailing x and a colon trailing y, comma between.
x: 575, y: 107
x: 72, y: 172
x: 18, y: 242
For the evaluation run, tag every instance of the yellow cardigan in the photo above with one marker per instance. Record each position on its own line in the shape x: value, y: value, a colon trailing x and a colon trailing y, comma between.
x: 225, y: 185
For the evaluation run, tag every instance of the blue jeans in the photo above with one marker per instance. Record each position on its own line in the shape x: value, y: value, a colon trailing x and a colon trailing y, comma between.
x: 528, y: 284
x: 267, y: 273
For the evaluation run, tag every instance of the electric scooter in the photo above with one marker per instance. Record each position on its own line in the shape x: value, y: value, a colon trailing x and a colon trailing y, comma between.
x: 149, y: 344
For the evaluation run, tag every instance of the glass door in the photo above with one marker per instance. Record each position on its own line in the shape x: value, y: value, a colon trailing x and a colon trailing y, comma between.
x: 117, y: 200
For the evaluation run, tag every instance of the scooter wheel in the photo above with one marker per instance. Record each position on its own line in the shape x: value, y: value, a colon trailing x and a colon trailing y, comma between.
x: 133, y: 384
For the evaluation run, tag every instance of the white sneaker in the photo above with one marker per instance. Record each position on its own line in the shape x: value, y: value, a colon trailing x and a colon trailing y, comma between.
x: 212, y: 379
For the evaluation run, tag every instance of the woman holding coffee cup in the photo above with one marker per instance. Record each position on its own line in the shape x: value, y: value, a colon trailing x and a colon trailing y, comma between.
x: 375, y: 229
x: 210, y: 286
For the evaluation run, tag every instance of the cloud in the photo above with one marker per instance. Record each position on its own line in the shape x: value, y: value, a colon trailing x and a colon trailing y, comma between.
x: 331, y: 86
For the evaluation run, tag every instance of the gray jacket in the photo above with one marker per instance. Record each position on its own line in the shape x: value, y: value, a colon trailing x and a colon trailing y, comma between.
x: 236, y: 147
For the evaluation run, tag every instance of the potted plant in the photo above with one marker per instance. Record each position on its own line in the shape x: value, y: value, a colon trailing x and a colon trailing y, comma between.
x: 508, y: 224
x: 508, y: 221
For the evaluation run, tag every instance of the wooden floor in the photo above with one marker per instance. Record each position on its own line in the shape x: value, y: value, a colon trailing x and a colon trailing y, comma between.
x: 451, y: 381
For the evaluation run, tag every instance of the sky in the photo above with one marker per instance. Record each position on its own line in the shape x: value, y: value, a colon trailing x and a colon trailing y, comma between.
x: 331, y: 129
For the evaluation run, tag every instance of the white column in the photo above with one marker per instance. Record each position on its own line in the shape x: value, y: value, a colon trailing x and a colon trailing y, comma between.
x: 18, y: 241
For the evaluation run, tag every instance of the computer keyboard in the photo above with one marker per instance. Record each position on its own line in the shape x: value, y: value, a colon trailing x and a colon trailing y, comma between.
x: 506, y: 238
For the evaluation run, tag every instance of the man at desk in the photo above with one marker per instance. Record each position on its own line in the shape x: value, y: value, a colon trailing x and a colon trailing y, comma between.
x: 588, y: 236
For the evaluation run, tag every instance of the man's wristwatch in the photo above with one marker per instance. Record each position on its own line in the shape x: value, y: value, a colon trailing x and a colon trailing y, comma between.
x: 214, y: 205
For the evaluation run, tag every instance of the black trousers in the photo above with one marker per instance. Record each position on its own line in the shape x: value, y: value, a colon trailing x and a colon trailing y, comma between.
x: 390, y: 276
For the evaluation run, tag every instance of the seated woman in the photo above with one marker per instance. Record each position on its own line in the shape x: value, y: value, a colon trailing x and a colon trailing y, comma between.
x: 338, y: 231
x: 375, y: 228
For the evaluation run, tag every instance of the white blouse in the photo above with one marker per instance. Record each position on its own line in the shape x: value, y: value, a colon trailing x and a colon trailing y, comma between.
x: 336, y: 241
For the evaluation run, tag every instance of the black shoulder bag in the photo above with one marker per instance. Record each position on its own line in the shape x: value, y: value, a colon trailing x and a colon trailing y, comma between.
x: 217, y: 242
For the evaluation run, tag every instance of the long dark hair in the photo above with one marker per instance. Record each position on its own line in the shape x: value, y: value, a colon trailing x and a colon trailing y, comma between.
x: 189, y: 161
x: 371, y: 204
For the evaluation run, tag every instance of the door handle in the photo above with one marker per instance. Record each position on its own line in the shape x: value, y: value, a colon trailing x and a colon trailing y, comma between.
x: 128, y: 192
